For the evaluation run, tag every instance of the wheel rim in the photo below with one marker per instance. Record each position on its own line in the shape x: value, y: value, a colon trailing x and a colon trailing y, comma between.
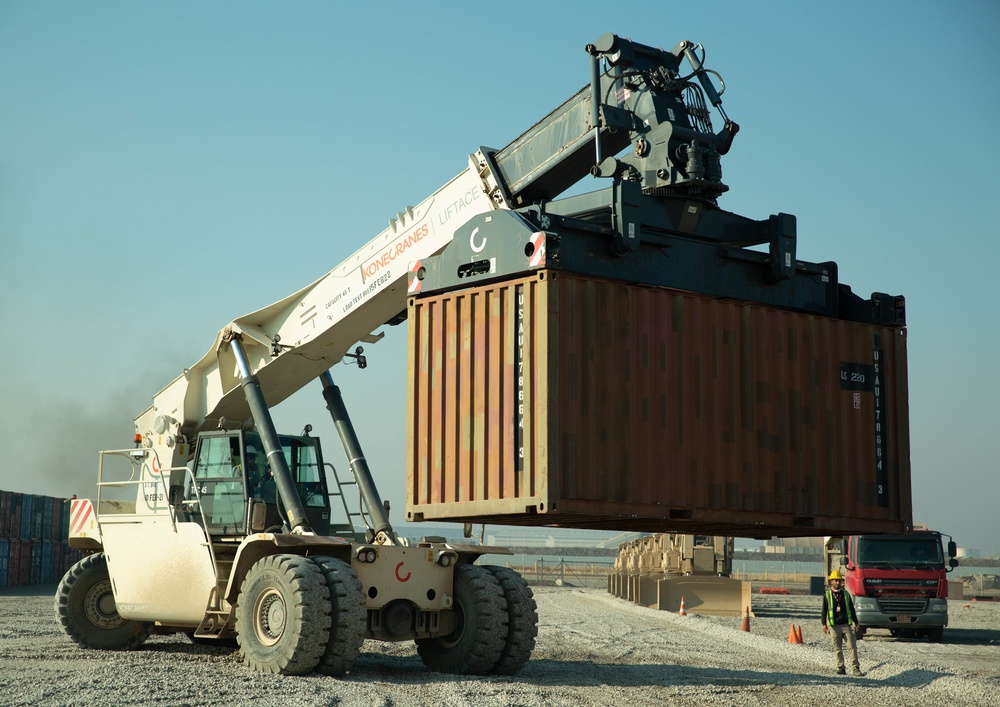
x: 99, y: 605
x: 453, y: 638
x: 269, y: 617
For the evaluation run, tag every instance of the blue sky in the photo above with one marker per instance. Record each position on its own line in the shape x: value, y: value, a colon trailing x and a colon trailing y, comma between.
x: 167, y: 167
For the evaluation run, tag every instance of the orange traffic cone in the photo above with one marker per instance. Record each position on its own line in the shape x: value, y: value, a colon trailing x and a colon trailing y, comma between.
x: 683, y: 611
x: 745, y: 624
x: 798, y: 634
x: 792, y: 638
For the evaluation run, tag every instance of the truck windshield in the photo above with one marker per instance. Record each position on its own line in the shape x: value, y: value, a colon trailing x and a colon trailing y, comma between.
x: 900, y: 553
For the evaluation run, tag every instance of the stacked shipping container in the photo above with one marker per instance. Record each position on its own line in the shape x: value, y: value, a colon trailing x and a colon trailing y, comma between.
x: 33, y: 546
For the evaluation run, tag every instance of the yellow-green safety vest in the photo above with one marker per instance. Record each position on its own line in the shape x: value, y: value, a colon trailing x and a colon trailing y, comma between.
x: 848, y: 605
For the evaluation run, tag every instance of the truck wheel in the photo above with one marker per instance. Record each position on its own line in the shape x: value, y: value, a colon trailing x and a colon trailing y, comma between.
x: 348, y: 616
x: 522, y: 620
x: 935, y: 635
x: 85, y: 608
x: 283, y: 615
x: 477, y: 642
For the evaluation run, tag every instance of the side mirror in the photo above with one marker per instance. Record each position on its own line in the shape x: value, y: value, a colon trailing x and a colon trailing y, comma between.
x: 843, y: 561
x: 952, y: 548
x: 258, y: 512
x: 953, y: 563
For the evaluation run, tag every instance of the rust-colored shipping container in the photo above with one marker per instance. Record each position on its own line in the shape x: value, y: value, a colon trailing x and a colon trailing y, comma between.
x: 556, y: 399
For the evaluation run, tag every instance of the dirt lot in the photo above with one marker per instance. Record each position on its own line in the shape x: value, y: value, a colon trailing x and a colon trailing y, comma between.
x: 593, y: 649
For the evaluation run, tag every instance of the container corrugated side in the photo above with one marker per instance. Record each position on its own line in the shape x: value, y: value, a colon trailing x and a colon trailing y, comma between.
x: 5, y: 512
x: 27, y: 504
x: 4, y: 561
x: 24, y: 571
x: 563, y: 400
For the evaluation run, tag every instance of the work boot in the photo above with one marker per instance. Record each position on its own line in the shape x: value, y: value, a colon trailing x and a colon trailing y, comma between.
x: 858, y: 673
x: 841, y: 670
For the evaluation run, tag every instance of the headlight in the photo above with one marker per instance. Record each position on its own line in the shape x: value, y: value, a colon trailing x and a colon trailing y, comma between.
x: 446, y: 558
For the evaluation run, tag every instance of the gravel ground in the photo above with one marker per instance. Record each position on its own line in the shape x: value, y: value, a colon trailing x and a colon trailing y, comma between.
x: 593, y: 649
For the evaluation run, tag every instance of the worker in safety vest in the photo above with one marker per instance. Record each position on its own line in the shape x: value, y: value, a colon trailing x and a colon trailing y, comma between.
x: 839, y: 617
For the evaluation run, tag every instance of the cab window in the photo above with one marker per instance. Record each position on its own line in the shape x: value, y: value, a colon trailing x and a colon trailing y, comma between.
x: 307, y: 472
x: 219, y: 478
x: 303, y: 463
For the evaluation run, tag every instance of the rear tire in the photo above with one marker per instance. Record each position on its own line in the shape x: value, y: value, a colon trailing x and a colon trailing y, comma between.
x: 348, y: 616
x: 85, y: 608
x: 283, y: 616
x: 522, y: 621
x: 476, y: 644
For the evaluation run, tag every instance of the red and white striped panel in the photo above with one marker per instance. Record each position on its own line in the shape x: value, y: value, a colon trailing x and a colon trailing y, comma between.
x: 82, y: 522
x: 537, y: 259
x: 415, y: 283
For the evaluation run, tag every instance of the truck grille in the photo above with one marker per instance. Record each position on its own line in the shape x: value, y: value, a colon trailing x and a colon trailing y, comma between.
x: 893, y: 582
x: 902, y: 606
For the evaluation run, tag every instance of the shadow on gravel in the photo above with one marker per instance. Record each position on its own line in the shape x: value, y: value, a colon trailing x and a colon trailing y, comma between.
x: 32, y: 590
x: 972, y: 636
x: 775, y: 610
x: 575, y: 673
x: 582, y: 673
x: 183, y: 648
x: 914, y: 678
x: 955, y: 636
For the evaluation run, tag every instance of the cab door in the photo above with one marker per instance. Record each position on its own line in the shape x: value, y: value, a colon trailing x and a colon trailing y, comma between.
x: 220, y: 481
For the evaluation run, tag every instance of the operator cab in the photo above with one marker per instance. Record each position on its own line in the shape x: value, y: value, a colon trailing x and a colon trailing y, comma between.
x: 232, y: 474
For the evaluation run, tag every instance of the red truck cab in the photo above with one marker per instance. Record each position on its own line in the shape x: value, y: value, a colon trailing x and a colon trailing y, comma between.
x: 899, y: 582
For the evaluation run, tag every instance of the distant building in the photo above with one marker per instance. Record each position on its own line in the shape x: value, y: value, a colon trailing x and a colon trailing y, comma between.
x: 551, y: 537
x: 794, y: 546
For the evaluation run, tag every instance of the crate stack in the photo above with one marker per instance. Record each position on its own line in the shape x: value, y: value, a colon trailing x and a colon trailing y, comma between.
x: 33, y: 539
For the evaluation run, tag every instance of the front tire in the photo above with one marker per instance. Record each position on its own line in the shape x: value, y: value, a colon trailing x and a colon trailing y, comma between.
x: 348, y: 616
x: 283, y: 615
x: 85, y: 608
x: 935, y: 635
x: 476, y: 644
x: 522, y: 621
